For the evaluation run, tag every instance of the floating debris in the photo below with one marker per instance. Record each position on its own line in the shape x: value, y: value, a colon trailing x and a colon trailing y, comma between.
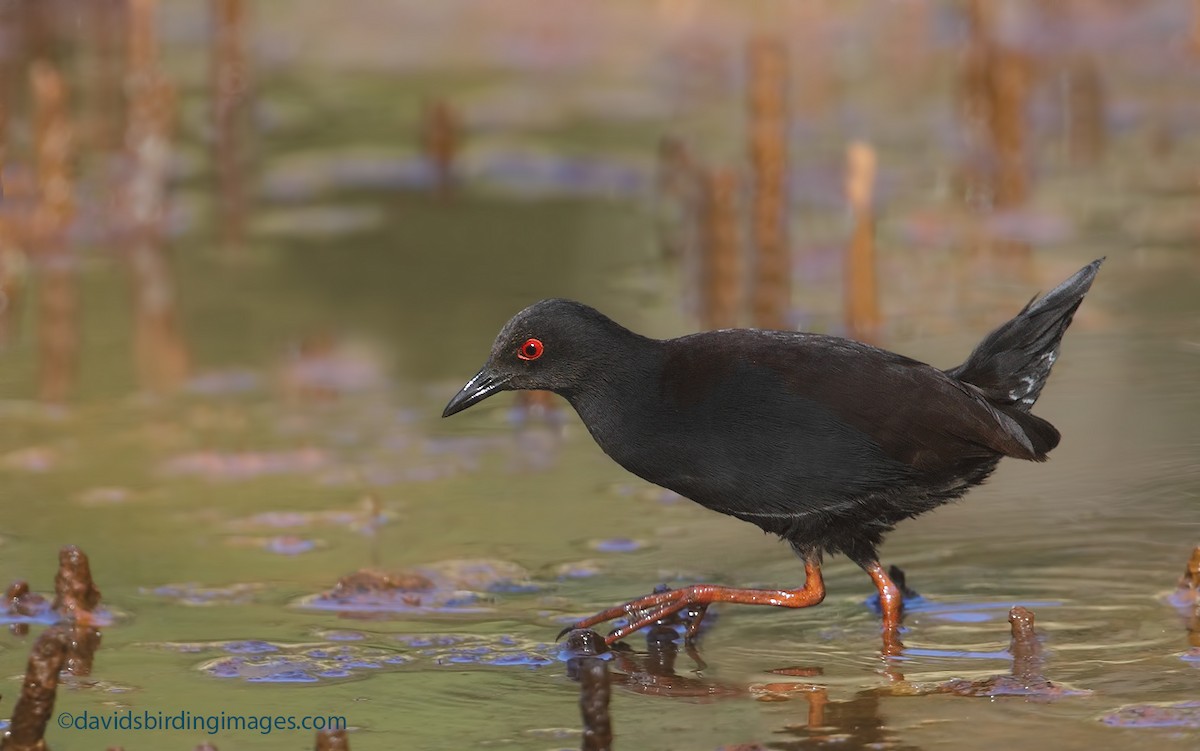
x: 471, y: 649
x: 258, y: 661
x: 33, y: 459
x: 481, y: 574
x: 616, y: 545
x: 318, y: 221
x: 455, y: 586
x: 289, y: 545
x: 578, y: 570
x: 369, y: 514
x: 782, y: 690
x: 340, y: 635
x: 104, y: 496
x: 200, y: 596
x: 321, y: 368
x: 224, y: 382
x: 280, y: 545
x: 1184, y: 714
x: 266, y: 662
x: 246, y: 465
x: 249, y: 647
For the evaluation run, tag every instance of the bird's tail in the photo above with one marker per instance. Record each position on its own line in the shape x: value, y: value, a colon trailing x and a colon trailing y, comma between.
x: 1010, y: 366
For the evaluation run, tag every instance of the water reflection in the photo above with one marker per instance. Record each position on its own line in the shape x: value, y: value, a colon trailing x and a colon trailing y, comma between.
x: 855, y: 723
x: 318, y: 143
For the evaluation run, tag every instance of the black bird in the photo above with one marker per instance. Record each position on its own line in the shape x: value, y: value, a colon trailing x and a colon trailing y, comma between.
x: 824, y: 441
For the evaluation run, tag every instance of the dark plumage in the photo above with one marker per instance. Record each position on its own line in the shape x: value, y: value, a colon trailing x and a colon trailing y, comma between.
x: 824, y: 441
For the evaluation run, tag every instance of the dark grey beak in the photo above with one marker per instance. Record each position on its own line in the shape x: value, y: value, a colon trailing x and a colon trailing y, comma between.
x: 484, y: 384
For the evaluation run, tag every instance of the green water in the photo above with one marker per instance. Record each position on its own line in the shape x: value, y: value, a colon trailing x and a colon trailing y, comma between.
x: 413, y: 294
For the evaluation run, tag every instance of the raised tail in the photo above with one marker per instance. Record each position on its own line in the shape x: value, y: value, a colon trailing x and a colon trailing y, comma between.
x: 1010, y: 366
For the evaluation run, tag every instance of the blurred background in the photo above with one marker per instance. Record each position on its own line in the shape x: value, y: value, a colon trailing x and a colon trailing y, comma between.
x: 248, y: 250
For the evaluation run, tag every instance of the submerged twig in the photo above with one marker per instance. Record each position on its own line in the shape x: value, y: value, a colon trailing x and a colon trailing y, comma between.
x: 1025, y: 647
x: 333, y: 740
x: 1027, y: 678
x: 720, y: 277
x: 863, y: 319
x: 75, y: 594
x: 230, y: 96
x: 1187, y: 599
x: 33, y: 709
x: 1190, y: 581
x: 21, y: 601
x: 85, y: 640
x: 595, y: 686
x: 161, y: 354
x: 441, y: 138
x: 768, y: 138
x: 58, y: 299
x: 595, y: 692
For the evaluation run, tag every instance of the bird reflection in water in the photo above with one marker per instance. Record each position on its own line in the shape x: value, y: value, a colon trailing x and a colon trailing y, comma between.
x: 853, y: 723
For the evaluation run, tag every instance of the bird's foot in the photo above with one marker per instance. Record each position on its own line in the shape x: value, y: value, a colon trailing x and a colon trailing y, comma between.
x: 672, y: 606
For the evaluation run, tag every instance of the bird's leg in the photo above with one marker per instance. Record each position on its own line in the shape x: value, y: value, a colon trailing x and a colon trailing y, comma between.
x: 650, y: 609
x: 891, y: 602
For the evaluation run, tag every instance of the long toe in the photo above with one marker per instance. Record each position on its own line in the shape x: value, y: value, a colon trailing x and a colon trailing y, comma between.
x: 650, y: 619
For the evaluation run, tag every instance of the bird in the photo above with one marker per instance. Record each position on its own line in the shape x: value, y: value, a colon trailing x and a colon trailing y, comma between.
x: 824, y: 441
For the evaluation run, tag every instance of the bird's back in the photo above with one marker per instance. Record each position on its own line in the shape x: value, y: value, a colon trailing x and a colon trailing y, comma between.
x: 914, y: 413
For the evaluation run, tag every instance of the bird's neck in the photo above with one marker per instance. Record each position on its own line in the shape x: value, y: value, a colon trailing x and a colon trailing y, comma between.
x: 621, y: 395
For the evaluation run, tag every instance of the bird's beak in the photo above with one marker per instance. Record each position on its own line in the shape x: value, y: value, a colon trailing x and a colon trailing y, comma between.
x: 480, y: 387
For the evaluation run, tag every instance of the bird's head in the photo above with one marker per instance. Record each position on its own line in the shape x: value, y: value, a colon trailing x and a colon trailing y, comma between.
x: 553, y: 345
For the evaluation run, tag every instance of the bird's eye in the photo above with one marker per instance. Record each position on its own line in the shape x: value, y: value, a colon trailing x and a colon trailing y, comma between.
x: 532, y: 349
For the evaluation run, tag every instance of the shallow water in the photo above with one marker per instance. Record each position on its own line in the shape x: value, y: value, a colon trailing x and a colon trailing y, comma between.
x: 213, y: 517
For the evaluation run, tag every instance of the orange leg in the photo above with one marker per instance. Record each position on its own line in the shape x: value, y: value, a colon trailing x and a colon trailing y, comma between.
x: 891, y: 602
x: 650, y: 609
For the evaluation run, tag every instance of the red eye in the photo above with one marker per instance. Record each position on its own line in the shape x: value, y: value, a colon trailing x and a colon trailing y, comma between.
x: 532, y: 349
